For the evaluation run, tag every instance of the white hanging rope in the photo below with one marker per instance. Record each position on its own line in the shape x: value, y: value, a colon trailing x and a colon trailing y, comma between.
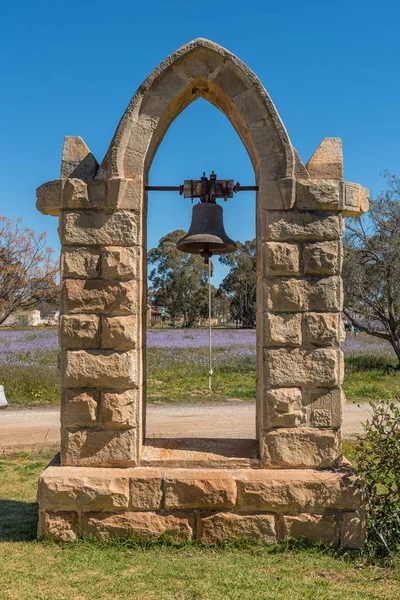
x: 210, y: 371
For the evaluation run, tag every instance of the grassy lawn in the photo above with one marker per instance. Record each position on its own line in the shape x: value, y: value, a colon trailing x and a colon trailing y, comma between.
x: 42, y: 570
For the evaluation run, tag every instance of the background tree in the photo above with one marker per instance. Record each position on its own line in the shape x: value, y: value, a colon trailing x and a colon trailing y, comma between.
x: 241, y: 282
x: 178, y: 281
x: 371, y: 268
x: 28, y: 274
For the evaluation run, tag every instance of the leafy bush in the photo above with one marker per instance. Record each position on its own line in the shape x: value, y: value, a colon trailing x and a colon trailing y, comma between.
x: 378, y: 462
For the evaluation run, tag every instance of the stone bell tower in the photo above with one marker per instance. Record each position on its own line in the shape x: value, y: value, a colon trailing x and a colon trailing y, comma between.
x: 290, y: 482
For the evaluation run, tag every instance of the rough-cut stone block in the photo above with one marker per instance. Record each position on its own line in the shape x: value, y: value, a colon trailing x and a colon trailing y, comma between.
x: 119, y: 332
x: 327, y: 160
x: 283, y: 407
x: 126, y: 193
x: 79, y: 331
x: 99, y: 369
x: 99, y: 296
x: 297, y: 490
x: 353, y: 199
x: 77, y: 160
x: 60, y: 526
x: 282, y: 330
x: 146, y: 489
x: 323, y: 258
x: 80, y: 263
x: 49, y: 197
x: 143, y: 525
x: 119, y: 409
x: 315, y: 528
x: 293, y: 295
x: 120, y: 263
x: 223, y: 527
x: 323, y: 406
x: 275, y: 194
x: 353, y: 530
x: 203, y: 489
x: 93, y: 228
x: 281, y: 258
x: 322, y: 329
x: 300, y: 448
x: 75, y: 194
x: 318, y: 194
x: 87, y: 489
x: 302, y: 226
x: 293, y: 367
x: 325, y: 294
x: 79, y: 408
x: 98, y: 448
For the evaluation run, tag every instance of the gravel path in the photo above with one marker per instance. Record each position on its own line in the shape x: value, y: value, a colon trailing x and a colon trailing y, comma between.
x: 38, y: 428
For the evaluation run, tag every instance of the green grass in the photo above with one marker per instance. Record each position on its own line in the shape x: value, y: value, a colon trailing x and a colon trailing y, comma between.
x: 42, y: 570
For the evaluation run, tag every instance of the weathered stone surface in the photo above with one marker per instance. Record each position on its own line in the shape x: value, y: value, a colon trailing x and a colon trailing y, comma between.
x: 93, y: 228
x: 325, y: 294
x: 327, y: 160
x: 293, y: 367
x: 126, y: 193
x: 293, y: 295
x: 323, y: 406
x: 274, y: 194
x: 120, y: 263
x: 48, y: 196
x: 297, y: 490
x: 317, y: 194
x: 99, y: 296
x: 79, y: 331
x: 302, y: 226
x: 80, y: 263
x: 119, y: 332
x: 281, y: 258
x: 283, y: 407
x: 119, y: 410
x: 323, y: 258
x: 60, y: 526
x: 315, y: 528
x: 282, y: 330
x: 143, y: 525
x: 228, y: 526
x: 322, y: 329
x: 146, y: 489
x: 98, y: 448
x: 202, y: 489
x: 353, y: 530
x: 77, y: 160
x: 354, y: 199
x: 75, y: 194
x: 79, y: 408
x: 300, y: 448
x: 87, y: 489
x: 99, y: 369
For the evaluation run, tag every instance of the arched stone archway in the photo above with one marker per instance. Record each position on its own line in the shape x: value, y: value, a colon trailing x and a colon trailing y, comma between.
x: 103, y: 218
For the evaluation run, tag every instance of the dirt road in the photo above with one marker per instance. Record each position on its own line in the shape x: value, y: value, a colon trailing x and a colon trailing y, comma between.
x: 38, y: 428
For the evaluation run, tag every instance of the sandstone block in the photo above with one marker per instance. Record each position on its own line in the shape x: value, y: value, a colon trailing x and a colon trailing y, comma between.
x: 90, y: 448
x: 315, y: 528
x: 120, y: 263
x: 322, y: 329
x: 282, y: 330
x: 99, y: 296
x: 353, y: 199
x: 77, y: 160
x: 93, y: 228
x: 86, y: 489
x: 119, y: 332
x: 353, y: 532
x: 79, y: 408
x: 49, y: 197
x: 294, y: 295
x: 80, y: 263
x: 126, y: 193
x: 302, y: 226
x: 79, y: 331
x: 325, y: 294
x: 300, y: 449
x: 75, y: 194
x: 119, y: 409
x: 323, y: 406
x: 327, y: 160
x: 202, y: 489
x: 99, y: 369
x: 283, y: 407
x: 281, y: 258
x: 146, y: 489
x: 294, y: 367
x: 317, y: 194
x: 323, y: 258
x: 275, y: 194
x: 60, y: 526
x: 143, y: 525
x: 223, y: 527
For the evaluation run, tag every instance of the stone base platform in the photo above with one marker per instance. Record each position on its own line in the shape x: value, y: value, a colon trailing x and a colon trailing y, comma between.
x: 211, y: 505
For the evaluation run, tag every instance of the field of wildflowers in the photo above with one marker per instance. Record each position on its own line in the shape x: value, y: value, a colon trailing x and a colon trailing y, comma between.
x: 177, y: 366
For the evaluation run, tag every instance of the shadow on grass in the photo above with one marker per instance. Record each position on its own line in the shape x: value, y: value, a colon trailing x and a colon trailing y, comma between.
x: 18, y: 521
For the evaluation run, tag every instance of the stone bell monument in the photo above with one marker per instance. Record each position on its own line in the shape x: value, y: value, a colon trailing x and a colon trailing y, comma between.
x: 290, y: 482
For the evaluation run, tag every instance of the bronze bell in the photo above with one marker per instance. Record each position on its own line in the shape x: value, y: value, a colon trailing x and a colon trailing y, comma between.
x: 206, y: 235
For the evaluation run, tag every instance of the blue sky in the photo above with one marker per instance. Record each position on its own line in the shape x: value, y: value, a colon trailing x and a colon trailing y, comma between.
x: 331, y: 68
